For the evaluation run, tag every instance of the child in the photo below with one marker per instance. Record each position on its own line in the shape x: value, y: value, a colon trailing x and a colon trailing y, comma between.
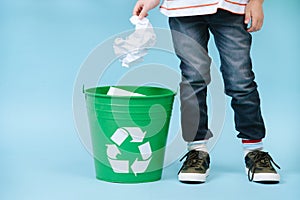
x: 190, y: 23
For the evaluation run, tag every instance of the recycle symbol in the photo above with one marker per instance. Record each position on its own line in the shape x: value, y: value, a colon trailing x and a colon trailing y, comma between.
x: 123, y: 166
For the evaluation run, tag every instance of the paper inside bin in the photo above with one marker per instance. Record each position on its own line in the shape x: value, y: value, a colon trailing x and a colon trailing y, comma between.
x: 113, y: 91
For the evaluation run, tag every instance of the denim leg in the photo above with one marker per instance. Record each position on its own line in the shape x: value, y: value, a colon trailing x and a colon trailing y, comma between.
x: 190, y: 37
x: 234, y: 43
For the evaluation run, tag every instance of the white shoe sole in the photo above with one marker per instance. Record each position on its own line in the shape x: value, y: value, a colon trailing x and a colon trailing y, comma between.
x: 193, y: 177
x: 264, y: 177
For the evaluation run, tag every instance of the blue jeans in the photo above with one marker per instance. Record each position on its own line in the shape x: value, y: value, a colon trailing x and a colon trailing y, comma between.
x: 190, y: 38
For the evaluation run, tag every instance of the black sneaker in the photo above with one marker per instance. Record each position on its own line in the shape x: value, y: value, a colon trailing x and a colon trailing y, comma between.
x: 259, y: 167
x: 195, y: 168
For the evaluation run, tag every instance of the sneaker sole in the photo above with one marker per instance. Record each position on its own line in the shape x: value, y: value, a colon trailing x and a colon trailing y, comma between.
x: 264, y: 177
x: 193, y: 177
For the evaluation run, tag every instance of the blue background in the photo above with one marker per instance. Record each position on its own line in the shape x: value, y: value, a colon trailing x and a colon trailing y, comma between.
x: 43, y: 44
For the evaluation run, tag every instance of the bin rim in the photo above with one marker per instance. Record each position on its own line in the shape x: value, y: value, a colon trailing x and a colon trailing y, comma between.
x: 90, y: 93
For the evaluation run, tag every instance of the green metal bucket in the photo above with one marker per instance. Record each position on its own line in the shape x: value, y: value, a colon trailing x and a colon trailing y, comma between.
x: 129, y: 133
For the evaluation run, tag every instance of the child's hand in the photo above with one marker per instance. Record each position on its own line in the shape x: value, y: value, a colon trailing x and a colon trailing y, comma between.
x: 143, y: 6
x: 254, y: 13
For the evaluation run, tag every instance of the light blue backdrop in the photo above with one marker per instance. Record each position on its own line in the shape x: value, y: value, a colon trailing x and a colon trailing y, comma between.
x: 43, y: 44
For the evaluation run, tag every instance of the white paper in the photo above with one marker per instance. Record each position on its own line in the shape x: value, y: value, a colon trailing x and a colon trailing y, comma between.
x: 113, y: 91
x: 134, y: 47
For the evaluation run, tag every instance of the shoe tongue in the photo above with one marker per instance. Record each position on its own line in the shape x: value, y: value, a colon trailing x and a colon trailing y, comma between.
x: 201, y: 154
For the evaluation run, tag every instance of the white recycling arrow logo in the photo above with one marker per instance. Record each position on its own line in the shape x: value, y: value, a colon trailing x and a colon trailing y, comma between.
x: 123, y: 166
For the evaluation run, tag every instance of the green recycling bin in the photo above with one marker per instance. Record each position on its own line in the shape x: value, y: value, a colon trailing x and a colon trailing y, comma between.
x: 129, y: 133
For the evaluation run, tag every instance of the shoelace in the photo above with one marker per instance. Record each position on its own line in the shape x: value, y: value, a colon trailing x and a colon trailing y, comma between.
x: 262, y: 159
x: 193, y: 159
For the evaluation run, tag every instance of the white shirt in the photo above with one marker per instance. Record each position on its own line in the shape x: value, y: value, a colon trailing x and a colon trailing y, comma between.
x: 177, y: 8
